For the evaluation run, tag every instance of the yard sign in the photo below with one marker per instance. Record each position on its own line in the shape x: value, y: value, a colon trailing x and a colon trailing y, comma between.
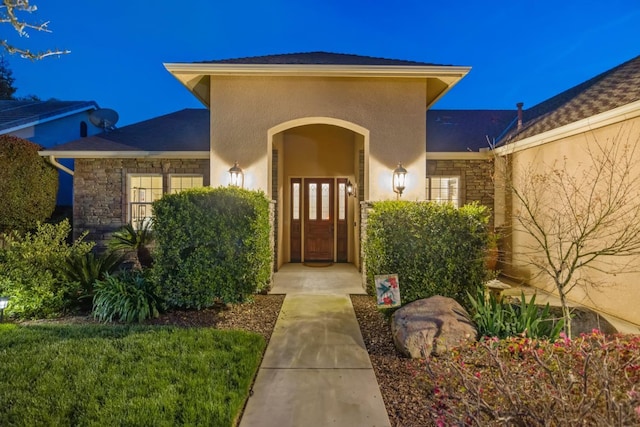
x: 387, y: 290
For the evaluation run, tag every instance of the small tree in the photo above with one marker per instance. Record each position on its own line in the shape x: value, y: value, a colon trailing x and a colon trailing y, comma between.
x: 28, y: 185
x: 579, y: 218
x: 12, y: 12
x: 6, y: 80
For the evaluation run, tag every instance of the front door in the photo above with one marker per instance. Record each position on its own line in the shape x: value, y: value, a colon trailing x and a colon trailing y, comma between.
x: 318, y: 219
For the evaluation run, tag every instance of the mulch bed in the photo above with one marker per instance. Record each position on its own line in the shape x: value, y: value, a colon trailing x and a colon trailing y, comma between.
x: 258, y: 315
x: 407, y: 403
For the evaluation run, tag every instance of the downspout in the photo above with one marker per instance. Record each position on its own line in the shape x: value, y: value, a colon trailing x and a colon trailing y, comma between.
x: 54, y: 162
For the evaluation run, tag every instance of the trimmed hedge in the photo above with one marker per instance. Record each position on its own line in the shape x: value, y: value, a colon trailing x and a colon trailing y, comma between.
x: 435, y: 249
x: 28, y: 185
x: 212, y: 245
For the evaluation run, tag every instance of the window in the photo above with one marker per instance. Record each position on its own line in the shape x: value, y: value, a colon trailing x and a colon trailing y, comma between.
x: 443, y: 189
x: 177, y: 183
x: 143, y: 190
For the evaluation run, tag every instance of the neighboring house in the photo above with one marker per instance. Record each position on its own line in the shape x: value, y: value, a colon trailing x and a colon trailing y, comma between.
x: 302, y: 127
x: 50, y: 123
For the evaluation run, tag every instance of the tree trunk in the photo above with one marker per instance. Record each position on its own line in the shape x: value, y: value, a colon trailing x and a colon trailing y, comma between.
x: 566, y: 313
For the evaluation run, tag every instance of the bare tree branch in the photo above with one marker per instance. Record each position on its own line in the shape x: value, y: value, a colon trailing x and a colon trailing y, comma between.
x: 9, y: 15
x: 580, y: 217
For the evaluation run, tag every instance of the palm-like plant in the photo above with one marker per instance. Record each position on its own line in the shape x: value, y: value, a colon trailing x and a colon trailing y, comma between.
x: 88, y: 268
x: 129, y: 238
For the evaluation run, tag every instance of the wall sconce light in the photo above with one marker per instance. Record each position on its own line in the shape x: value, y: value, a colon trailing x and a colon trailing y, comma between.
x: 399, y: 179
x: 4, y: 301
x: 237, y: 176
x: 351, y: 189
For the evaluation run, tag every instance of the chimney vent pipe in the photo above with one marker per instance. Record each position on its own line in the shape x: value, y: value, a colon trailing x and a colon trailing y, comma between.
x: 519, y: 105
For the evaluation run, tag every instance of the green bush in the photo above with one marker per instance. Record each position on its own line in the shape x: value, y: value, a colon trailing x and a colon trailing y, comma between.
x: 31, y: 266
x: 211, y: 245
x: 28, y: 185
x: 494, y: 318
x: 435, y: 249
x: 85, y: 269
x: 129, y: 297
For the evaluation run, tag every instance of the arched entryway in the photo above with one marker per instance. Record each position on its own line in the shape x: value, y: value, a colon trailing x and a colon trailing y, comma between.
x: 313, y: 161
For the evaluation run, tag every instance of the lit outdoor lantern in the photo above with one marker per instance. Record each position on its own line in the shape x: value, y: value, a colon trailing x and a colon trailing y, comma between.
x: 237, y: 176
x: 349, y: 188
x: 399, y: 177
x: 4, y: 301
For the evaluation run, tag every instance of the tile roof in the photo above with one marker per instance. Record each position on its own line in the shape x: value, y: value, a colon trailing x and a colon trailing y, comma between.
x: 21, y: 113
x: 466, y: 130
x: 613, y: 88
x: 317, y: 58
x: 184, y: 130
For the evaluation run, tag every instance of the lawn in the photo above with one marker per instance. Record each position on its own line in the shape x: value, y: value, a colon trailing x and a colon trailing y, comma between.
x: 124, y: 375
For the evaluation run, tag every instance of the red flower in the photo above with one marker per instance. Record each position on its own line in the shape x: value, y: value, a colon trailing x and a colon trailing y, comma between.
x: 387, y: 300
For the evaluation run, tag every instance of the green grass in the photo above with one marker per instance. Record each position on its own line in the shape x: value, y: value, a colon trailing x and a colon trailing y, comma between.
x: 124, y: 375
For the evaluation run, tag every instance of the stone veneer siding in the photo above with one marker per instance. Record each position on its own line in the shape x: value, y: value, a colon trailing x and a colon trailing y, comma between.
x: 476, y: 179
x: 100, y: 190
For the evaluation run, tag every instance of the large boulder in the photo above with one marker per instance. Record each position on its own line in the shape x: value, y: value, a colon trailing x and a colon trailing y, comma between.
x: 585, y: 320
x: 431, y: 326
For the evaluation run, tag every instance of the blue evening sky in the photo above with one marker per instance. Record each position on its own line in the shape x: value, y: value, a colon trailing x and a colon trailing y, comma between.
x: 519, y: 50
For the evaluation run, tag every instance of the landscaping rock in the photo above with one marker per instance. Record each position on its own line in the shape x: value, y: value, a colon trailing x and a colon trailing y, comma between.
x: 431, y: 326
x: 585, y: 320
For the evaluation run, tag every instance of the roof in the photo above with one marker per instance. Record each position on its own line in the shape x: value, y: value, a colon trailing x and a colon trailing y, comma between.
x: 180, y: 131
x: 18, y: 114
x: 613, y: 88
x: 466, y: 130
x: 197, y: 76
x: 316, y: 58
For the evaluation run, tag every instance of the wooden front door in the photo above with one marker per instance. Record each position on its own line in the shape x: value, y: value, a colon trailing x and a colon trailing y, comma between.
x: 318, y: 219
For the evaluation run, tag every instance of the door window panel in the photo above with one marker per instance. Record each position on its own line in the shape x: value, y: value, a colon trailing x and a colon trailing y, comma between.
x: 313, y: 201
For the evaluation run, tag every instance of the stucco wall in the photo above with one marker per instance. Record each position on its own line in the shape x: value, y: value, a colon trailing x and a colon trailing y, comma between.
x: 617, y: 295
x: 315, y: 151
x: 100, y: 190
x: 244, y: 109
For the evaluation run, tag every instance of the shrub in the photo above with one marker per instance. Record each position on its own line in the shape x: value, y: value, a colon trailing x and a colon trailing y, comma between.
x: 212, y: 244
x: 129, y: 239
x: 28, y: 185
x: 435, y: 249
x: 497, y: 319
x: 31, y: 265
x: 129, y: 297
x: 86, y: 269
x: 591, y: 380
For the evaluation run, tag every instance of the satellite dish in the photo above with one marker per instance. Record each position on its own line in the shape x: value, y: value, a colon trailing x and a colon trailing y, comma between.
x: 104, y: 118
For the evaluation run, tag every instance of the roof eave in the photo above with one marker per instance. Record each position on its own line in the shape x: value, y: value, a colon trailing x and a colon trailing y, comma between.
x: 319, y: 70
x: 84, y: 154
x: 195, y: 76
x: 610, y: 117
x: 90, y: 106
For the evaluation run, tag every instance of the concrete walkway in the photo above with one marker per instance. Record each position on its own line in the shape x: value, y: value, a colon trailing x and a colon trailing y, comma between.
x: 316, y: 370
